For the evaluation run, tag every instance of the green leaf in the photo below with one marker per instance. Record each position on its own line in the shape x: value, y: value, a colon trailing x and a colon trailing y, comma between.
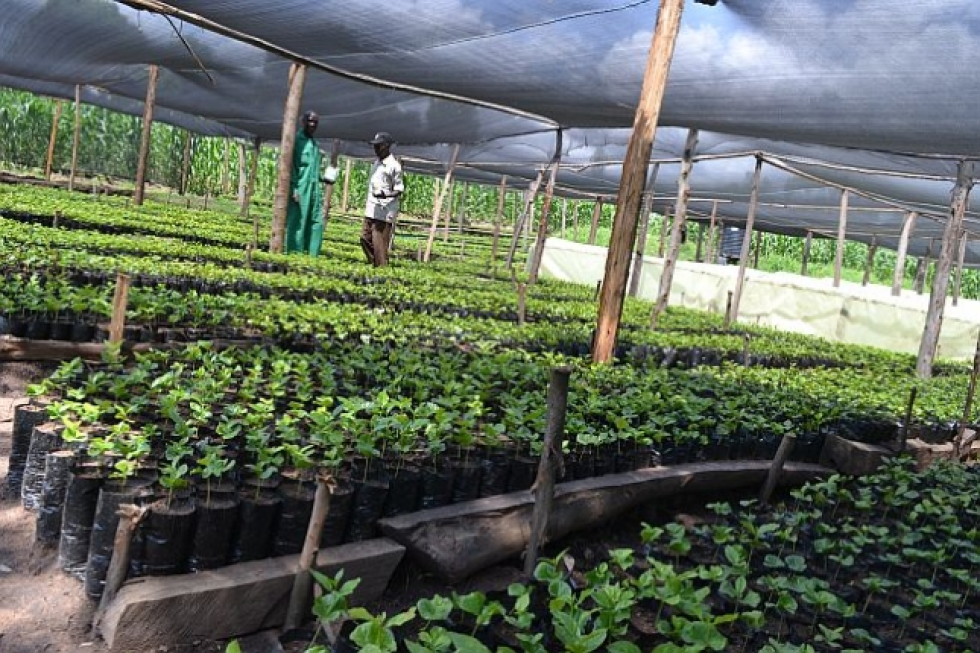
x: 435, y: 609
x: 468, y: 644
x: 233, y: 647
x: 623, y: 647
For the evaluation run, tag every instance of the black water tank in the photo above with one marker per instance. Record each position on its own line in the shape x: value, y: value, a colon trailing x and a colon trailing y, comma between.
x: 731, y: 243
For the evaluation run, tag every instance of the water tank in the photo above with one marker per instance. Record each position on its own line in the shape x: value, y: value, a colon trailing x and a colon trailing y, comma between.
x: 731, y: 243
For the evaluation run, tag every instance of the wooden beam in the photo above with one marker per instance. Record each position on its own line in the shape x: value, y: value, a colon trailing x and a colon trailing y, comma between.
x: 301, y: 596
x: 225, y: 169
x: 287, y: 142
x: 596, y: 214
x: 76, y: 138
x: 940, y: 281
x: 449, y: 212
x: 520, y: 225
x: 786, y: 446
x: 870, y: 264
x: 922, y: 269
x: 52, y: 140
x: 677, y: 229
x: 710, y: 253
x: 549, y: 193
x: 646, y: 208
x: 185, y: 167
x: 960, y: 259
x: 903, y: 247
x: 253, y: 169
x: 144, y: 156
x: 807, y: 246
x: 120, y: 299
x: 633, y: 179
x: 345, y: 200
x: 665, y: 223
x: 328, y: 193
x: 743, y: 260
x: 242, y: 176
x: 446, y: 185
x: 564, y: 214
x: 757, y: 250
x: 501, y: 199
x: 699, y: 245
x: 841, y: 240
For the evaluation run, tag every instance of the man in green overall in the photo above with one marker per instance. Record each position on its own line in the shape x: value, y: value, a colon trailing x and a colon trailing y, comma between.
x: 304, y: 220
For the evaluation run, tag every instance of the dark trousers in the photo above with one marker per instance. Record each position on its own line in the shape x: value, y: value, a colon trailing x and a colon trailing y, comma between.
x: 375, y: 235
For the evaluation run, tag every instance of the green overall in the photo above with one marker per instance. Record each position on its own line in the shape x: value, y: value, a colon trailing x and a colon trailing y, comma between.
x: 304, y: 221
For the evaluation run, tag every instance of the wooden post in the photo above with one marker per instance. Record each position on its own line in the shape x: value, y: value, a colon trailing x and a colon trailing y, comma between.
x: 501, y: 199
x: 345, y: 200
x: 633, y: 178
x: 225, y: 172
x: 242, y: 176
x: 664, y: 228
x: 757, y: 250
x: 968, y: 404
x: 776, y: 468
x: 519, y: 227
x: 328, y: 193
x: 52, y: 140
x: 253, y: 169
x: 743, y: 260
x: 903, y: 248
x: 710, y: 254
x: 575, y: 208
x: 960, y: 259
x: 462, y: 207
x: 699, y: 247
x: 869, y: 266
x: 129, y: 518
x: 446, y: 184
x: 940, y: 281
x: 521, y: 302
x: 564, y: 214
x: 287, y: 142
x: 449, y: 212
x: 76, y: 138
x: 908, y: 420
x: 549, y: 193
x: 119, y: 301
x: 549, y: 467
x: 144, y: 157
x: 596, y: 214
x: 646, y: 208
x: 807, y: 245
x: 301, y: 596
x: 841, y: 233
x: 677, y: 228
x: 185, y: 167
x: 922, y: 269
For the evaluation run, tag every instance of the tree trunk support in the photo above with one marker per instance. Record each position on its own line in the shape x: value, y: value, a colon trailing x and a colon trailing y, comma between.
x: 144, y: 157
x: 677, y: 228
x: 772, y: 478
x: 76, y: 138
x: 633, y: 179
x: 841, y: 233
x: 301, y: 596
x: 807, y: 246
x: 940, y: 281
x: 550, y: 466
x: 596, y: 214
x: 732, y: 315
x: 287, y: 143
x: 903, y: 247
x: 52, y: 140
x: 869, y: 266
x: 120, y: 299
x: 446, y: 185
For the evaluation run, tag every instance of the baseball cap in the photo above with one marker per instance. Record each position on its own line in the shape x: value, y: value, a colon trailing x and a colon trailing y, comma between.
x: 382, y: 137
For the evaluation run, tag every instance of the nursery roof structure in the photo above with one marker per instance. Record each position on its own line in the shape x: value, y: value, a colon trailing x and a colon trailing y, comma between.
x: 878, y: 97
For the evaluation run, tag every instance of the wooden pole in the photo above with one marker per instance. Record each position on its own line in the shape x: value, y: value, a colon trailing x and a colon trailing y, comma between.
x: 345, y: 200
x: 242, y: 175
x: 301, y: 596
x: 76, y: 138
x: 869, y: 266
x: 225, y: 172
x: 52, y: 140
x: 960, y: 259
x: 646, y: 208
x: 968, y: 404
x: 841, y: 233
x: 776, y: 468
x: 449, y: 212
x: 710, y: 254
x: 549, y: 193
x: 575, y: 208
x: 144, y: 156
x: 328, y: 193
x: 446, y: 185
x: 940, y: 281
x: 807, y: 246
x: 253, y: 170
x: 287, y: 142
x: 549, y: 467
x: 907, y: 423
x: 120, y: 299
x: 903, y: 248
x: 185, y: 167
x: 519, y: 227
x: 633, y: 178
x: 521, y: 301
x: 677, y: 228
x: 596, y: 214
x: 743, y: 259
x: 922, y: 269
x: 462, y: 207
x: 699, y: 247
x: 564, y: 214
x: 757, y: 250
x: 501, y: 199
x: 129, y: 518
x: 664, y: 228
